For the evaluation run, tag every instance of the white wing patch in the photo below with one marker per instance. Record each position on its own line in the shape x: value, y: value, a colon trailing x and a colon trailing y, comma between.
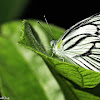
x: 97, y: 45
x: 85, y: 29
x: 91, y: 29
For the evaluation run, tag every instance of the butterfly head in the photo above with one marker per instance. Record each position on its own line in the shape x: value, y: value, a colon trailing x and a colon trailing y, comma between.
x: 53, y: 42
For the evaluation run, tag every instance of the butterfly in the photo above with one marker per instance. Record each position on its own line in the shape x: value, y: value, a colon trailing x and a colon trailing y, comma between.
x: 80, y: 44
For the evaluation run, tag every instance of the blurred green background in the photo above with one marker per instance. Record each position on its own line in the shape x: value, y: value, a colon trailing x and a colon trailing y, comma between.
x: 12, y: 9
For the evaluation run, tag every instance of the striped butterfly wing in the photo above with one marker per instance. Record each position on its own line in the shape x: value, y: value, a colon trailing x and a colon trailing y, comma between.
x: 81, y: 43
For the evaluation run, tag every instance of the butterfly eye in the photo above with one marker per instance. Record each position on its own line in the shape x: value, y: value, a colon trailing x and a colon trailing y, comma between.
x: 53, y: 42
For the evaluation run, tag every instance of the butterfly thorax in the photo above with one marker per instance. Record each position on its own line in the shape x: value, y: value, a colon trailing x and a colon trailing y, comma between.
x: 58, y: 48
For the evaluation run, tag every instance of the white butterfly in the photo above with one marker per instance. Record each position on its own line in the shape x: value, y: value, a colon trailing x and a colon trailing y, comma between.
x: 80, y: 44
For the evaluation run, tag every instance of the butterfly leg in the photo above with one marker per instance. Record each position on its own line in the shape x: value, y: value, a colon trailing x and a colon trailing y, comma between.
x: 62, y: 59
x: 52, y: 55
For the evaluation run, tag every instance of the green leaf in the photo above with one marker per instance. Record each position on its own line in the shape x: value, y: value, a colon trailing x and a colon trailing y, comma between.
x: 21, y: 76
x: 34, y: 42
x: 17, y: 78
x: 61, y: 70
x: 82, y: 77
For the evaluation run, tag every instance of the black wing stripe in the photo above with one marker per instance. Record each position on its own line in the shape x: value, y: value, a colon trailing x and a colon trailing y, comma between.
x: 95, y: 58
x: 93, y: 62
x: 80, y: 62
x: 90, y: 65
x: 76, y: 43
x: 83, y: 61
x: 75, y: 27
x: 85, y: 34
x: 96, y: 21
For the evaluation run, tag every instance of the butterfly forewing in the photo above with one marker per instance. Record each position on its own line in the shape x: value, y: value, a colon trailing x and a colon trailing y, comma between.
x: 81, y: 43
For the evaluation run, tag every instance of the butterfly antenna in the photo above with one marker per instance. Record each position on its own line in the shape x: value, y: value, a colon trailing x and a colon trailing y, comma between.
x: 47, y: 24
x: 45, y: 29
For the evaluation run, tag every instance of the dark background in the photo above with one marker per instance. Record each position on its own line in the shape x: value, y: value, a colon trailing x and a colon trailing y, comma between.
x: 61, y: 13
